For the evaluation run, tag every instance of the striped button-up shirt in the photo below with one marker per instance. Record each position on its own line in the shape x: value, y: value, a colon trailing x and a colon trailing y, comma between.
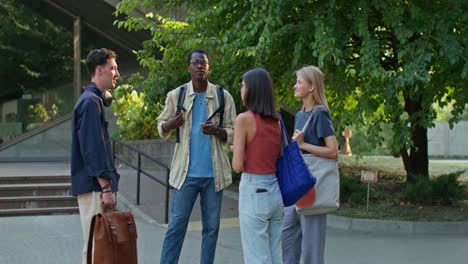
x: 181, y: 158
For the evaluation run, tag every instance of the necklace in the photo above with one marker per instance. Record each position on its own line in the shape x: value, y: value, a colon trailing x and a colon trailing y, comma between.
x: 304, y: 109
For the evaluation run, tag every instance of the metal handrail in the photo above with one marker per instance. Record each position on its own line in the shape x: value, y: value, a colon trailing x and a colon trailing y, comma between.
x: 36, y: 131
x: 144, y: 172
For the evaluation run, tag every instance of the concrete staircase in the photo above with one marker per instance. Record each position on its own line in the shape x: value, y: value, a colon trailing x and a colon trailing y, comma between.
x: 36, y: 195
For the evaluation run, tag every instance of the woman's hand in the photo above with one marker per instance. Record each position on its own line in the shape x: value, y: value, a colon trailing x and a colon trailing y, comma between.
x: 298, y: 136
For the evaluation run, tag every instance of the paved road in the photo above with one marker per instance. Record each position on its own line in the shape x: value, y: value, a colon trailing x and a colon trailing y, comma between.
x: 57, y: 240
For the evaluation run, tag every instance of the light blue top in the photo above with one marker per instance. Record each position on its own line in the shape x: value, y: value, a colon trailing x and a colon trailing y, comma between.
x: 200, y: 164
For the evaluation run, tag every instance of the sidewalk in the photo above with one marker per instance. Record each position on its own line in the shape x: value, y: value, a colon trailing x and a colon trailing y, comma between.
x: 152, y: 197
x: 152, y: 204
x: 58, y: 239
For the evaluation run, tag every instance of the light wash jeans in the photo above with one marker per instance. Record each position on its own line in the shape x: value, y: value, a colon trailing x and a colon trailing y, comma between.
x: 181, y: 208
x: 303, y: 235
x: 261, y: 218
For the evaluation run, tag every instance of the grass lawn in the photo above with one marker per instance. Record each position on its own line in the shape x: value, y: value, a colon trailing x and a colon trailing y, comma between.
x: 385, y: 196
x: 385, y: 201
x: 406, y: 213
x: 388, y: 164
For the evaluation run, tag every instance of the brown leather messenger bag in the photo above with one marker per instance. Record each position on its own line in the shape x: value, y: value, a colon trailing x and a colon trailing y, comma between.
x: 115, y: 239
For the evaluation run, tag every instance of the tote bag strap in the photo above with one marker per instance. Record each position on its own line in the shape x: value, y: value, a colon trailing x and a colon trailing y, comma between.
x: 310, y: 118
x: 285, y: 138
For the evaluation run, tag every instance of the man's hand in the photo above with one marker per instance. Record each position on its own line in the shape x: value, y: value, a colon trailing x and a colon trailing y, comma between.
x: 107, y: 196
x: 173, y: 123
x: 108, y: 200
x: 208, y: 128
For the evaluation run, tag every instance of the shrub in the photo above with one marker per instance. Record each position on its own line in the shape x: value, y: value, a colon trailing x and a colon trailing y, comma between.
x: 38, y: 113
x: 136, y: 117
x: 362, y: 144
x: 352, y: 190
x: 444, y: 190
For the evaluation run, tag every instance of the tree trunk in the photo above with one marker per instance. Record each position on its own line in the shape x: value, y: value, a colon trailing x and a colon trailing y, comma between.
x: 416, y: 162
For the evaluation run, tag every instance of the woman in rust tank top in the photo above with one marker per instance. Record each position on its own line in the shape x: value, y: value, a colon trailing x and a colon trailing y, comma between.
x: 257, y: 146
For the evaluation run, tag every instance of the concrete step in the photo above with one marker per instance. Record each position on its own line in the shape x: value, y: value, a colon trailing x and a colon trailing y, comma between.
x: 36, y: 195
x: 34, y: 179
x: 39, y: 211
x: 35, y: 189
x: 37, y: 202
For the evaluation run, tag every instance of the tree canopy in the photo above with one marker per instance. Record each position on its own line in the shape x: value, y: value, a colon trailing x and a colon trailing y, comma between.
x: 33, y: 51
x: 385, y: 62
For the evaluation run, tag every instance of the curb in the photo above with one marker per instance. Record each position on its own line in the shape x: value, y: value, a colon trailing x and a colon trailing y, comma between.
x: 345, y: 223
x: 125, y: 205
x: 388, y: 226
x: 394, y: 226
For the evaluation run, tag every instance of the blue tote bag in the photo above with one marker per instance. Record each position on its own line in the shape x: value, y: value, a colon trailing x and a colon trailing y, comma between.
x: 294, y: 176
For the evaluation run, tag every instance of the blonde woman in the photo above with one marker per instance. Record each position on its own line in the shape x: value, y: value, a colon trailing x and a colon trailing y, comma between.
x: 304, y: 235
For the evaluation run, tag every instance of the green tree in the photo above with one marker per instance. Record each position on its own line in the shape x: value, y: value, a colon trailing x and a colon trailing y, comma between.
x: 135, y: 118
x: 33, y: 51
x: 40, y: 114
x: 384, y: 61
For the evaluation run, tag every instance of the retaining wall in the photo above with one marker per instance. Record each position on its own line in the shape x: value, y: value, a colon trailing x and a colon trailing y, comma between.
x: 445, y: 142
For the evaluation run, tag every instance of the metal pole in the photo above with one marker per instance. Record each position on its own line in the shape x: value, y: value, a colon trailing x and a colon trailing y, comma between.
x: 368, y: 191
x: 77, y: 57
x: 138, y: 179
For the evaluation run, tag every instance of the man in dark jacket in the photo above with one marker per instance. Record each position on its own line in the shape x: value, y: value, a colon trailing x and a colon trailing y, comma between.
x: 93, y: 174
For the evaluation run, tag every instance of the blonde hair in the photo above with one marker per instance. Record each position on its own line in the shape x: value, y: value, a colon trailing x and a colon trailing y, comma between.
x: 314, y: 76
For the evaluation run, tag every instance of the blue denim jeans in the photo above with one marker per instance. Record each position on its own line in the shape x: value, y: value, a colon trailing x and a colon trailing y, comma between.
x: 261, y: 218
x: 181, y: 208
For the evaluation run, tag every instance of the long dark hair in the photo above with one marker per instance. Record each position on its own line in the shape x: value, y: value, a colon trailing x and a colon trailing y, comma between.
x: 259, y: 96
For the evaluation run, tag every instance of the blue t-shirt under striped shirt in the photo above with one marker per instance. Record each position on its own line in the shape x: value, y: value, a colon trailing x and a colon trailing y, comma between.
x: 200, y: 164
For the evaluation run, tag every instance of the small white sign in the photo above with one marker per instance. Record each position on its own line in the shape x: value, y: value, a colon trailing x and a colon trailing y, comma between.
x: 368, y: 176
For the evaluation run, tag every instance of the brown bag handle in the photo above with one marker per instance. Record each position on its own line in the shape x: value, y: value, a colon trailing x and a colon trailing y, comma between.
x: 89, y: 255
